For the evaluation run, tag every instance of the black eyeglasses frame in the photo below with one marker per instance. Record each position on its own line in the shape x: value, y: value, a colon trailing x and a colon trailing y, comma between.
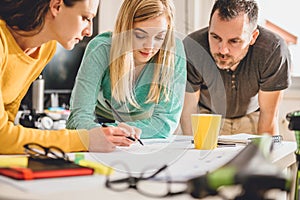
x: 133, y: 181
x: 32, y: 152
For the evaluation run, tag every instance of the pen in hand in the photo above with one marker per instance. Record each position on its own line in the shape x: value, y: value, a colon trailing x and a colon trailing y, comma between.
x: 128, y: 137
x: 119, y: 118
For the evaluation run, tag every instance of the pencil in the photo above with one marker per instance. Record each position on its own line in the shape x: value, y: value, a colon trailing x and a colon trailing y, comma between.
x: 128, y: 137
x: 120, y: 119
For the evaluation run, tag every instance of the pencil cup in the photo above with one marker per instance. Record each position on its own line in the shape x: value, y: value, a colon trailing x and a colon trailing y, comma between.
x: 206, y: 128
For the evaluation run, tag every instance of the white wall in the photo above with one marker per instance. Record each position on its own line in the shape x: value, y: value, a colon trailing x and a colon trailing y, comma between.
x: 108, y: 13
x: 286, y: 15
x: 190, y: 14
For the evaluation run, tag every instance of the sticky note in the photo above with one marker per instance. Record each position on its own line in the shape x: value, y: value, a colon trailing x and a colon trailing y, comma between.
x: 13, y: 161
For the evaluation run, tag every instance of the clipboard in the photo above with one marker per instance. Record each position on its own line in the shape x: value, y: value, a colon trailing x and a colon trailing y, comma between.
x: 39, y: 168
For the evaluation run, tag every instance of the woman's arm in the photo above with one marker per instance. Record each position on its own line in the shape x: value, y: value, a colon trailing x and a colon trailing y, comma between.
x: 87, y: 85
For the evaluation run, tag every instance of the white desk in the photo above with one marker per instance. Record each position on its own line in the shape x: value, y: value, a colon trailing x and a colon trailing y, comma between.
x: 183, y: 161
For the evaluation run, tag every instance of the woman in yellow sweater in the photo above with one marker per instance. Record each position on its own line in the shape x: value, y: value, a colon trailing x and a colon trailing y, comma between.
x: 29, y: 30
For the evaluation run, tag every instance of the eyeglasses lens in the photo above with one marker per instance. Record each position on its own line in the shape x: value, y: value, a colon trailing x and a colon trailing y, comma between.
x: 119, y: 179
x: 36, y: 150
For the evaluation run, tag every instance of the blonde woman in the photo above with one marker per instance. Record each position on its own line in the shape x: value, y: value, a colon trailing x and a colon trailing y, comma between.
x: 139, y: 69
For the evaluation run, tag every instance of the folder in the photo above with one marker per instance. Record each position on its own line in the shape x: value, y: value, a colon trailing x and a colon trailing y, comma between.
x: 39, y: 168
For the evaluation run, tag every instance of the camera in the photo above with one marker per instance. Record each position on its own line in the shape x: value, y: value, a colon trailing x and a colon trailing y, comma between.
x: 32, y: 119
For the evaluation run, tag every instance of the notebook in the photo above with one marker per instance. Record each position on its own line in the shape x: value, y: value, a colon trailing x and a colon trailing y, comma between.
x: 45, y: 168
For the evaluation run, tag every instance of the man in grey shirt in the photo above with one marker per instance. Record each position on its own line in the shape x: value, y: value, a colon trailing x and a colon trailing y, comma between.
x: 236, y: 68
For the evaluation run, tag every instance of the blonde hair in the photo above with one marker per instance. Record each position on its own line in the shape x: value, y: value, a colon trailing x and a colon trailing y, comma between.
x: 121, y: 55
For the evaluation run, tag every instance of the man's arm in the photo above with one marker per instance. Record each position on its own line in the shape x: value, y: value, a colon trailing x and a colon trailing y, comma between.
x: 190, y: 106
x: 268, y: 118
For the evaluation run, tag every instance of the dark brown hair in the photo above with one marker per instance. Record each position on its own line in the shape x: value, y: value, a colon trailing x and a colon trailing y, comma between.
x: 27, y: 15
x: 229, y: 9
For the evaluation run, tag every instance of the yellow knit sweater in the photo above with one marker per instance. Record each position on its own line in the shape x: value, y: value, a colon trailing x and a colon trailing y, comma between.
x: 17, y: 72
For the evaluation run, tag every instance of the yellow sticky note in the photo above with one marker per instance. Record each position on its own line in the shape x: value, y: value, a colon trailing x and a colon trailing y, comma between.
x: 98, y: 167
x: 13, y: 161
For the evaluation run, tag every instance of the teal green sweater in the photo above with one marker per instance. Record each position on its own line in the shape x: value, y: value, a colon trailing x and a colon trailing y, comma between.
x: 92, y: 87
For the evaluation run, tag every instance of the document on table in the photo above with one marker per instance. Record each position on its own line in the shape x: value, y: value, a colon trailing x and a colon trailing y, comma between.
x: 152, y: 155
x: 177, y: 152
x: 154, y: 145
x: 184, y: 162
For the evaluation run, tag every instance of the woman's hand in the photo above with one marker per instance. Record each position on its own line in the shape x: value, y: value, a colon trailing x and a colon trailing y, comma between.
x: 131, y: 131
x: 105, y: 139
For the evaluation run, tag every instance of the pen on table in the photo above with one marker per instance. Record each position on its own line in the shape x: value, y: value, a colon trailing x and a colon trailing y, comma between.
x: 119, y: 118
x: 221, y: 144
x: 226, y: 144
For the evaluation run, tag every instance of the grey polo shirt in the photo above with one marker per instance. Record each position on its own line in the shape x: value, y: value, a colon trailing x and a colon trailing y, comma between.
x: 265, y: 67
